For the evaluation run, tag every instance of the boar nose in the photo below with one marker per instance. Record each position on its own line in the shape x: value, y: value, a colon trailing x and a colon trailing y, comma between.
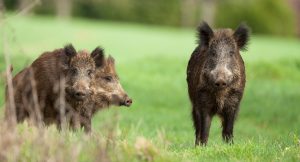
x: 128, y: 102
x: 220, y: 83
x: 80, y: 95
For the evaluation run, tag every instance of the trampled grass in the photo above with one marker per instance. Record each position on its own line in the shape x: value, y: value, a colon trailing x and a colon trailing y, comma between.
x: 151, y: 62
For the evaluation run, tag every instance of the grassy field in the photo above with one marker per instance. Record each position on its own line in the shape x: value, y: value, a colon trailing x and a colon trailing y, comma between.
x: 151, y: 62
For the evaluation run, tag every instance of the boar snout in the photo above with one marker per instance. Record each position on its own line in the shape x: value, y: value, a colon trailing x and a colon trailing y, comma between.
x: 122, y: 100
x: 128, y: 101
x: 78, y: 93
x: 220, y: 83
x: 221, y: 77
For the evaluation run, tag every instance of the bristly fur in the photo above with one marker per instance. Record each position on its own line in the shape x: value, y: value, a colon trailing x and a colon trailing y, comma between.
x: 58, y: 75
x: 216, y: 48
x: 47, y: 73
x: 105, y: 93
x: 204, y: 34
x: 242, y: 36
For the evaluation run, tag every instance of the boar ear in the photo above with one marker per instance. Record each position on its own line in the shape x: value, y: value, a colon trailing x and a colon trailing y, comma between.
x: 110, y: 60
x: 241, y: 36
x: 98, y: 56
x: 205, y: 33
x: 70, y: 50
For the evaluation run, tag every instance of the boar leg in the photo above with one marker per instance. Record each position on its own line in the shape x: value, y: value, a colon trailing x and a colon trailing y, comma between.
x: 86, y: 123
x: 75, y: 121
x: 87, y: 127
x: 227, y: 124
x: 205, y: 127
x: 202, y: 122
x: 196, y: 119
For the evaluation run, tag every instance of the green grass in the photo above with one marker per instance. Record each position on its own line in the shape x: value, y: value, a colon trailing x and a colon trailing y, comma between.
x: 151, y: 62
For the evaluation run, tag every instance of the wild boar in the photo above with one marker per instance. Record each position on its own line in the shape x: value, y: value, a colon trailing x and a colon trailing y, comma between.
x: 216, y: 79
x: 40, y: 90
x: 106, y: 91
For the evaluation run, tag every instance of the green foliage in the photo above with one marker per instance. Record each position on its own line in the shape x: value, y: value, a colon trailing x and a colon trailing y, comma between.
x: 151, y: 62
x: 154, y: 12
x: 47, y: 7
x: 264, y: 16
x: 10, y: 4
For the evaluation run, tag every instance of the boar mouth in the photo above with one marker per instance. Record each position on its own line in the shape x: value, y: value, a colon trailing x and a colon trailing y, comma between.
x: 123, y: 104
x: 79, y: 98
x: 220, y: 87
x: 121, y: 101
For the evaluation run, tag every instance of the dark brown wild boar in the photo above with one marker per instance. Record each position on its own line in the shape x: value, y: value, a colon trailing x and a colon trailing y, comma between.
x: 40, y: 90
x: 107, y: 91
x: 216, y: 79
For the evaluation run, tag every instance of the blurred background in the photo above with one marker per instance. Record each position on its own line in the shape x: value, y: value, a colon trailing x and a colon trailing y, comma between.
x: 279, y: 17
x: 151, y: 41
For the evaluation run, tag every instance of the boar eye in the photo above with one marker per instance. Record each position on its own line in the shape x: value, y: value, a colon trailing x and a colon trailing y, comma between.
x: 231, y: 53
x: 108, y: 78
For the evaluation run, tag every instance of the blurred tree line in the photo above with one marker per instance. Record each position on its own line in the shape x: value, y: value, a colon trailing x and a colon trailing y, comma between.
x: 264, y: 16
